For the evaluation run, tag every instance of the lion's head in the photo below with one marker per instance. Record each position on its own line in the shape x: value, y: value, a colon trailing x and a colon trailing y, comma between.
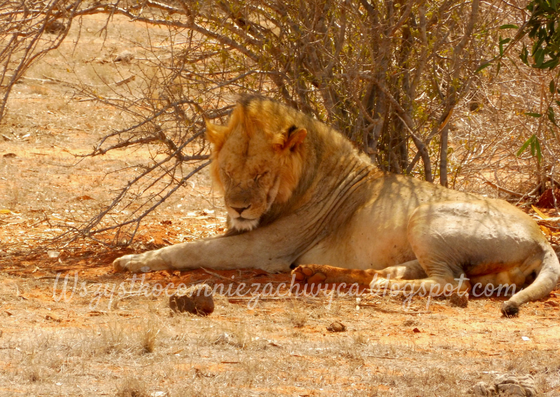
x: 257, y: 159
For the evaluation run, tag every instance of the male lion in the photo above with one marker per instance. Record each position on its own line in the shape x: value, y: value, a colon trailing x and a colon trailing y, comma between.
x: 297, y: 192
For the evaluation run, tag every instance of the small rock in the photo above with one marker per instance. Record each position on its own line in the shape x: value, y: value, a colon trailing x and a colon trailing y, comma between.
x: 336, y: 327
x: 124, y: 57
x: 196, y: 300
x: 517, y: 385
x: 409, y: 322
x: 482, y: 389
x: 53, y: 254
x: 507, y: 385
x: 55, y: 27
x: 226, y: 339
x: 459, y: 300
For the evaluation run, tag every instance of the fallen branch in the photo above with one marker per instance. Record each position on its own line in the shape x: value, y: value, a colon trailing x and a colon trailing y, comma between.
x: 503, y: 189
x: 374, y: 306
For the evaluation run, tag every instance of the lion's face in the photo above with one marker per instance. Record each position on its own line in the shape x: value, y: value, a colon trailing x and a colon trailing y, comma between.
x: 248, y: 172
x: 255, y: 165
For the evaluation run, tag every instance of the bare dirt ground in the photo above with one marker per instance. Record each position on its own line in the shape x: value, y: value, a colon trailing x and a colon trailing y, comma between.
x: 71, y: 326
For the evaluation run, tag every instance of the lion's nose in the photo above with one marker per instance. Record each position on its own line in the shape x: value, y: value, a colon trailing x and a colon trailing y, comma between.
x: 240, y: 209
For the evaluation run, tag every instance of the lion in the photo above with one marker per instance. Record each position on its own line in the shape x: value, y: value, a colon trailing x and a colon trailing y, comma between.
x: 299, y: 195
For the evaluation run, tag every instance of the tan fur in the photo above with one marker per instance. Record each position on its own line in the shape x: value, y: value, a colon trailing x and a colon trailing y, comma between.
x: 297, y: 192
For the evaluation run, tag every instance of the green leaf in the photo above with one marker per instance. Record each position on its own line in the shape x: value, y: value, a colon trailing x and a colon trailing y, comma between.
x: 552, y: 87
x: 539, y: 58
x: 509, y: 26
x: 550, y: 64
x: 535, y: 145
x: 536, y: 149
x: 537, y: 45
x: 551, y: 116
x: 501, y: 45
x: 483, y: 66
x: 524, y: 146
x: 533, y: 114
x: 524, y: 55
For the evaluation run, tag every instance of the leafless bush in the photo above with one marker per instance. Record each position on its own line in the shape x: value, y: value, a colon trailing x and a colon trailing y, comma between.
x: 28, y: 30
x: 486, y: 154
x: 388, y: 75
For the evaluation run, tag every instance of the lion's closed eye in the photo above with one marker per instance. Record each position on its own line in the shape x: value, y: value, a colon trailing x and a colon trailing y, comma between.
x: 259, y: 176
x: 225, y: 176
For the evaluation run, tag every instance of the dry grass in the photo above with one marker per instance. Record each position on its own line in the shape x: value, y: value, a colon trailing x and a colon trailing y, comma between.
x: 297, y: 313
x: 148, y: 335
x: 141, y: 347
x: 238, y: 351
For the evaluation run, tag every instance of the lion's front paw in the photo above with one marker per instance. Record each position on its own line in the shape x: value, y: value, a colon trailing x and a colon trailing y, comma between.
x: 130, y: 263
x: 140, y: 263
x: 309, y: 274
x: 119, y: 264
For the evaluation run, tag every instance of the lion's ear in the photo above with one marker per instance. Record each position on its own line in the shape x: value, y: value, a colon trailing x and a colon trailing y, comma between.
x: 216, y: 134
x: 295, y: 137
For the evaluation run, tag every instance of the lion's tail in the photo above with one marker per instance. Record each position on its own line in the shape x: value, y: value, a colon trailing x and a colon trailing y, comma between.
x: 540, y: 288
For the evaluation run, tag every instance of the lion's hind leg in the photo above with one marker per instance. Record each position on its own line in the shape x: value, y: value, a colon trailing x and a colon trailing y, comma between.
x: 438, y: 234
x: 488, y: 241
